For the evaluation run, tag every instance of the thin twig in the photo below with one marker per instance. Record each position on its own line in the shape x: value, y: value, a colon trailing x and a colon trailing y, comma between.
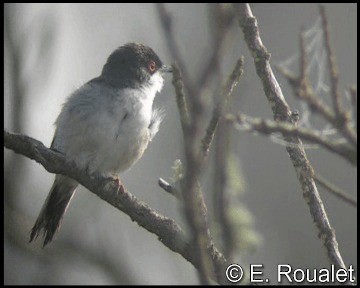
x: 335, y: 190
x: 184, y: 120
x: 302, y: 87
x: 353, y: 95
x: 170, y: 189
x: 333, y: 71
x: 305, y: 92
x: 342, y: 120
x: 227, y: 90
x: 304, y: 77
x: 180, y: 98
x: 267, y: 127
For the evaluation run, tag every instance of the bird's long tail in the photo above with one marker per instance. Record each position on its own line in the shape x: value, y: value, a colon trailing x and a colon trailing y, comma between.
x: 54, y: 208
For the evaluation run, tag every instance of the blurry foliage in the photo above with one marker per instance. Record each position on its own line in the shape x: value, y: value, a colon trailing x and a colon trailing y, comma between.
x: 245, y: 238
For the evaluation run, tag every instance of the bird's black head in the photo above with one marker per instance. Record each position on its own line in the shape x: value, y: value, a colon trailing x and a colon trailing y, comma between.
x: 131, y: 66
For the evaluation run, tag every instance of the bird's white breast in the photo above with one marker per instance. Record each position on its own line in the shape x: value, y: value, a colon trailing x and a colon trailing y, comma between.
x: 105, y: 129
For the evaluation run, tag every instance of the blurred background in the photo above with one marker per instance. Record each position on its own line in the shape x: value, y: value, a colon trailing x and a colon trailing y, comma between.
x: 52, y: 49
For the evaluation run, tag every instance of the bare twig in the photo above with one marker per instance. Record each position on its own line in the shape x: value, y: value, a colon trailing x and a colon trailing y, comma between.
x: 304, y: 92
x: 353, y: 94
x: 335, y: 115
x: 333, y: 71
x: 166, y: 229
x: 342, y: 120
x: 281, y: 111
x: 267, y: 127
x: 231, y: 83
x: 184, y: 120
x: 307, y: 94
x: 335, y: 190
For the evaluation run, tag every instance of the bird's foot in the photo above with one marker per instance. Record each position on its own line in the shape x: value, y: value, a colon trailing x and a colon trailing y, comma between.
x: 116, y: 180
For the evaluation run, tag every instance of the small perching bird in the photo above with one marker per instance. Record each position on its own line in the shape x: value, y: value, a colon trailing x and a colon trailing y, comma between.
x: 105, y: 125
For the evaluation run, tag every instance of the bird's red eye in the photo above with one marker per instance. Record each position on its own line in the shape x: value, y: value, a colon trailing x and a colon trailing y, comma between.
x: 152, y: 66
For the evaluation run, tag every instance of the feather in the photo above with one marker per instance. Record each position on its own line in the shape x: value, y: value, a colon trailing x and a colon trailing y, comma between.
x: 157, y: 116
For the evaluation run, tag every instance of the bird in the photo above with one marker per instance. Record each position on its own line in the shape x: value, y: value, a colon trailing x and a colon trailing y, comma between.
x: 105, y: 126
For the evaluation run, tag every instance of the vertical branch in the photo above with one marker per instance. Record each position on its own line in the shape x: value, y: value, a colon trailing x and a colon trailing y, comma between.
x: 180, y: 98
x: 341, y: 120
x: 194, y: 204
x: 303, y: 60
x: 333, y: 71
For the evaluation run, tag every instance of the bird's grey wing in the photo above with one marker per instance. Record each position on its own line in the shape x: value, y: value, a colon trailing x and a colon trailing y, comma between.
x: 86, y: 121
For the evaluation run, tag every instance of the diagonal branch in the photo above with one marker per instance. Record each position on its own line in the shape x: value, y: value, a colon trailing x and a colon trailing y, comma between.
x: 227, y: 90
x: 167, y: 26
x: 282, y: 112
x: 335, y: 190
x: 166, y: 229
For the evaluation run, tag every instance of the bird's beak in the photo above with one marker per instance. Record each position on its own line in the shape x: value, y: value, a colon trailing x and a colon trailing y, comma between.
x: 166, y: 69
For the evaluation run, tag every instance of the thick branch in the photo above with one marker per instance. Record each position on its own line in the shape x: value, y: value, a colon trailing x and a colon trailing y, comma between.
x: 281, y: 111
x: 166, y: 229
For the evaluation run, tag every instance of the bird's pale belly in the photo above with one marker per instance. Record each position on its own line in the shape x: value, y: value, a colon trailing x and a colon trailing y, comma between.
x: 132, y: 153
x: 119, y: 155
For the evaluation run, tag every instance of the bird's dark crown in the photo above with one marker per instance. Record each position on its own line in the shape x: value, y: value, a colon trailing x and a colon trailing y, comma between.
x: 128, y: 66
